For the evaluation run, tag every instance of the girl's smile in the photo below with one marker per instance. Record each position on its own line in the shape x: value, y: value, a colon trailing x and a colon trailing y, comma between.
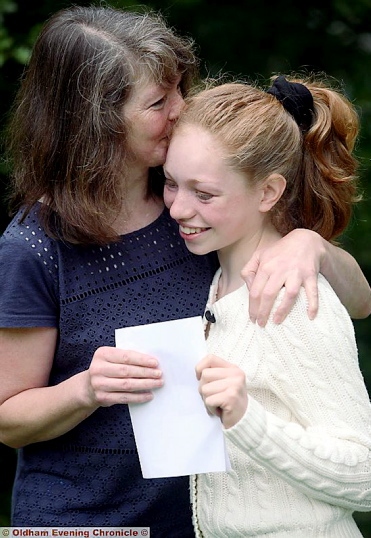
x: 212, y: 203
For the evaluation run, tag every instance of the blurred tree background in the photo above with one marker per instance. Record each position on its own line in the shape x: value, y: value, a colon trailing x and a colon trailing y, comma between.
x: 248, y: 39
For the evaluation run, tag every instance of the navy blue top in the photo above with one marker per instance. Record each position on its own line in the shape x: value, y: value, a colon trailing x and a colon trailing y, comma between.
x: 91, y: 475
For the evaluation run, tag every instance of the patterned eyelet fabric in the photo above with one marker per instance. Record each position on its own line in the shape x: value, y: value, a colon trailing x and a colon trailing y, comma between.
x: 91, y: 475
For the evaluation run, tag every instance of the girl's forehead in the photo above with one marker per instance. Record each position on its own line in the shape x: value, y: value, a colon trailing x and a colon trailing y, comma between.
x: 197, y: 135
x: 194, y: 153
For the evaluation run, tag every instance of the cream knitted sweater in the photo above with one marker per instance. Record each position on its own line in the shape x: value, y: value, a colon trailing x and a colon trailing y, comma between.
x: 301, y: 455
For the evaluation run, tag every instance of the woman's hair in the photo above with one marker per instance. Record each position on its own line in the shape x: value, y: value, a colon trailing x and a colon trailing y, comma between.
x: 261, y: 137
x: 67, y: 133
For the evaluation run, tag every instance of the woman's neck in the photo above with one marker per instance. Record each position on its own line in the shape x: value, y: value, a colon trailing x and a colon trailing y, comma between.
x: 138, y: 209
x: 136, y: 216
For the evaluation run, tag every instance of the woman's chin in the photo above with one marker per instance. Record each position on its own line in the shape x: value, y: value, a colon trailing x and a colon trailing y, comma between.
x: 159, y: 159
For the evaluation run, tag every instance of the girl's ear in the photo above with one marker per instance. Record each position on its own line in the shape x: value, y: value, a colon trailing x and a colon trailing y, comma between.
x: 272, y: 190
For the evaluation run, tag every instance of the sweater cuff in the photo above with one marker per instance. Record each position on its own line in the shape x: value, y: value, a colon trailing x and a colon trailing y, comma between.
x: 249, y: 432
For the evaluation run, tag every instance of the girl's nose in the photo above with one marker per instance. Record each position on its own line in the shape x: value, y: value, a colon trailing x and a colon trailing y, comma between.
x: 181, y: 208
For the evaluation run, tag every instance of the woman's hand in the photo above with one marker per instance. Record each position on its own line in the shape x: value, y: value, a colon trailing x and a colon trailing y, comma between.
x: 31, y: 411
x: 223, y: 389
x: 118, y: 376
x: 292, y: 262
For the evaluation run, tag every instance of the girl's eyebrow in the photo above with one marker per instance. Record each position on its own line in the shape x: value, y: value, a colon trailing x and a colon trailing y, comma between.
x: 166, y: 173
x: 191, y: 182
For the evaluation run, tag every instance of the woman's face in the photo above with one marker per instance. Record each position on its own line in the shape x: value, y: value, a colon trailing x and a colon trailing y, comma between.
x: 150, y: 113
x: 213, y: 204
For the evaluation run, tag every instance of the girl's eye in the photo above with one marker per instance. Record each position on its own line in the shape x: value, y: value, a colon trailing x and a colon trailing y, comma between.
x: 203, y: 196
x: 169, y: 184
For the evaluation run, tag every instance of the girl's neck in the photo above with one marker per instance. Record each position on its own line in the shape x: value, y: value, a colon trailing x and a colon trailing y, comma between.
x: 233, y: 259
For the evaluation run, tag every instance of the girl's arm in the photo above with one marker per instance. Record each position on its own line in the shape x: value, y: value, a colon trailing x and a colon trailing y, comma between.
x: 311, y: 424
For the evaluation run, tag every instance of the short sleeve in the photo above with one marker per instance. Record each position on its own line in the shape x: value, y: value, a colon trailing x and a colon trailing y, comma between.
x: 28, y: 295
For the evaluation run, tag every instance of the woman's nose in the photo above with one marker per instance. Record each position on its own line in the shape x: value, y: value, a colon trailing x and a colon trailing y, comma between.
x: 176, y: 107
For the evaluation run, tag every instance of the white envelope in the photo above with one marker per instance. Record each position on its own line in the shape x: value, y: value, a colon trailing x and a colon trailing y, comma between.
x: 174, y: 434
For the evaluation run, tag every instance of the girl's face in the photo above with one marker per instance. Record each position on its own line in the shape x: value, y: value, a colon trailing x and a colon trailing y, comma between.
x: 213, y: 204
x: 150, y: 113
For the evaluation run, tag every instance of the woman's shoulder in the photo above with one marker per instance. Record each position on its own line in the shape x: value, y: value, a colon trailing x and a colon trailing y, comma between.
x: 24, y: 227
x: 25, y: 237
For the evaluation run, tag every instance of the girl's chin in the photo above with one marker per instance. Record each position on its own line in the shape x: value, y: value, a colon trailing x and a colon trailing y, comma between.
x: 196, y: 249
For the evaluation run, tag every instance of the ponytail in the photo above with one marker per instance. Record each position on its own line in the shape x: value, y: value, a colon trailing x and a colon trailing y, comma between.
x: 321, y: 196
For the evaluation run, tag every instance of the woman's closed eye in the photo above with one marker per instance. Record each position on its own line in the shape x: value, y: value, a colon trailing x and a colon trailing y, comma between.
x: 159, y: 103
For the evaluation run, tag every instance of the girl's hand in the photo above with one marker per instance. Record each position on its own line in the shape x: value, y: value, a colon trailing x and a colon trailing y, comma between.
x: 223, y: 389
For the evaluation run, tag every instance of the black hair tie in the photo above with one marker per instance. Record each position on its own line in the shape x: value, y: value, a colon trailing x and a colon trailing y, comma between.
x: 296, y: 99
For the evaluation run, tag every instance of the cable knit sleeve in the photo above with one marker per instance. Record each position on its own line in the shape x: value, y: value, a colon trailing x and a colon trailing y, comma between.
x: 321, y: 443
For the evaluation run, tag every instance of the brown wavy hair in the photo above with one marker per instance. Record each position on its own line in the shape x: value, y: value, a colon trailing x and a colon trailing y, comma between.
x: 260, y: 138
x: 66, y: 135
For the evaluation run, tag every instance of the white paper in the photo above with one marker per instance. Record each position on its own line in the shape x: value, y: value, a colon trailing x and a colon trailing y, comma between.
x: 174, y: 434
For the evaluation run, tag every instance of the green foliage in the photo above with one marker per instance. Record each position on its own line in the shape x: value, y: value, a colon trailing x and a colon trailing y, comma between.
x: 8, y: 48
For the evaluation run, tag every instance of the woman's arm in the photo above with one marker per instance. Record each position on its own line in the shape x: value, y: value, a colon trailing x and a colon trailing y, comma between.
x: 294, y: 262
x: 31, y: 411
x: 347, y: 280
